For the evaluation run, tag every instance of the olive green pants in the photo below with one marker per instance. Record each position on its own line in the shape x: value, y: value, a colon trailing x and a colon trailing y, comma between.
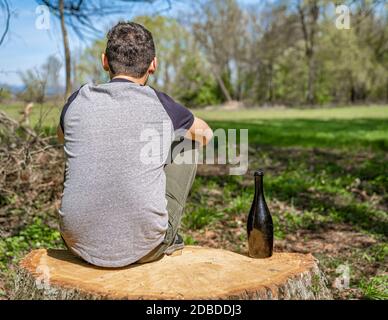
x: 179, y: 180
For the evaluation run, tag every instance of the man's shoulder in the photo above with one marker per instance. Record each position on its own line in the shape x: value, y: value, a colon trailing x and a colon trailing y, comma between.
x: 67, y: 104
x: 165, y: 99
x: 181, y: 117
x: 76, y: 93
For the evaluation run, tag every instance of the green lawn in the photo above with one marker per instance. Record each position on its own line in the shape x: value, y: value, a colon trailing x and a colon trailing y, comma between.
x: 342, y: 127
x: 362, y: 112
x: 326, y: 185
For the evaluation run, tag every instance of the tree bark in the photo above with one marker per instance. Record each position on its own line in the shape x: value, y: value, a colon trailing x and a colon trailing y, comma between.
x: 309, y: 32
x: 310, y: 99
x: 387, y: 91
x: 66, y: 48
x: 204, y: 273
x: 222, y: 85
x: 270, y: 82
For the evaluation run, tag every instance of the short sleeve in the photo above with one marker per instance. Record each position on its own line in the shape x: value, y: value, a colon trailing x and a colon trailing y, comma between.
x: 65, y: 107
x: 181, y: 117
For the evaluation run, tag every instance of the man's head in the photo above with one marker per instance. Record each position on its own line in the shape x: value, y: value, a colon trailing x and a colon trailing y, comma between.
x: 130, y: 51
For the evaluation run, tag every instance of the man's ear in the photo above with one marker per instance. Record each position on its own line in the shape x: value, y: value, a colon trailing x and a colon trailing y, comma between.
x: 104, y: 61
x: 153, y: 66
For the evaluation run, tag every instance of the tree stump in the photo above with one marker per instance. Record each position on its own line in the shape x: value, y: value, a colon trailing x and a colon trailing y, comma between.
x: 197, y: 273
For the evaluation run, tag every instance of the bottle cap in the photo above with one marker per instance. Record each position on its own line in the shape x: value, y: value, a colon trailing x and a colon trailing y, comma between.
x: 259, y: 172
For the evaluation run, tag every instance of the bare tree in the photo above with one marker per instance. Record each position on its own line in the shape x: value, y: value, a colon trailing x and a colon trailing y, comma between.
x: 372, y: 30
x: 66, y: 47
x: 4, y: 6
x: 218, y: 29
x: 51, y: 69
x: 35, y: 83
x: 37, y: 80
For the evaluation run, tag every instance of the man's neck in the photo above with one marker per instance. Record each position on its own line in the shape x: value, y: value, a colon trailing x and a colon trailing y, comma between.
x: 142, y: 81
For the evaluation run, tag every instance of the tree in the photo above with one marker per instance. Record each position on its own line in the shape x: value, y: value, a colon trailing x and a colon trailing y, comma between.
x: 219, y: 28
x: 5, y: 93
x: 36, y: 80
x: 273, y: 35
x: 35, y: 86
x: 372, y: 32
x: 66, y: 47
x: 308, y: 11
x: 51, y: 70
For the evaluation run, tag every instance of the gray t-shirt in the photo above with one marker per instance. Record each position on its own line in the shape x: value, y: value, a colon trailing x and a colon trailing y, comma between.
x: 117, y: 140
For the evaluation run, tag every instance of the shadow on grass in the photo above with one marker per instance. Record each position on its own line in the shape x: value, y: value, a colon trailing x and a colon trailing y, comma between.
x: 339, y: 186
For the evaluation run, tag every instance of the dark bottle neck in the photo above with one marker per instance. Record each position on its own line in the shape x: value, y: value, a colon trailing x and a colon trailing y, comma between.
x: 259, y: 187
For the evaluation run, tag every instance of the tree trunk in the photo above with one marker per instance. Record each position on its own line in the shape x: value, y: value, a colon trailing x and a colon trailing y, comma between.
x: 66, y: 48
x: 194, y: 273
x: 166, y: 80
x: 309, y: 29
x: 311, y: 80
x: 387, y: 91
x: 222, y: 85
x: 270, y: 83
x: 352, y: 95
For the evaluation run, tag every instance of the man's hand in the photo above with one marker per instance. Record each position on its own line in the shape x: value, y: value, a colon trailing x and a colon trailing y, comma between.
x: 200, y: 131
x: 61, y: 137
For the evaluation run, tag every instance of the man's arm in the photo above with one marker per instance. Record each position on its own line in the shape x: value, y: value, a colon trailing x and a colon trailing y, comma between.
x: 200, y: 131
x: 60, y: 135
x: 182, y: 118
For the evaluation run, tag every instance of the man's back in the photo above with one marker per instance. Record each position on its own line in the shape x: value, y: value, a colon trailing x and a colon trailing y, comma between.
x: 113, y: 208
x: 122, y: 203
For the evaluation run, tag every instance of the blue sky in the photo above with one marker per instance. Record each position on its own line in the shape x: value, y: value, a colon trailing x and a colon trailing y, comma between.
x: 27, y: 47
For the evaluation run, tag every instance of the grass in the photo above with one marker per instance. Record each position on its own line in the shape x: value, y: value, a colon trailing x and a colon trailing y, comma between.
x: 341, y: 113
x: 326, y: 185
x: 340, y: 127
x: 44, y: 115
x: 36, y: 235
x: 375, y: 288
x: 313, y: 133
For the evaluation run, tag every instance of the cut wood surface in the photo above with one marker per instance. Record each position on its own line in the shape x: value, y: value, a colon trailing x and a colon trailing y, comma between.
x: 197, y: 273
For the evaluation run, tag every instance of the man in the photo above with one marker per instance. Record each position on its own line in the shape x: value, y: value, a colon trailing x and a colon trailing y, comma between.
x: 122, y: 204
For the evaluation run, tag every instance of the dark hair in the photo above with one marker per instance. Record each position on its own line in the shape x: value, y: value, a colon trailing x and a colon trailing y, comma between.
x: 130, y: 49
